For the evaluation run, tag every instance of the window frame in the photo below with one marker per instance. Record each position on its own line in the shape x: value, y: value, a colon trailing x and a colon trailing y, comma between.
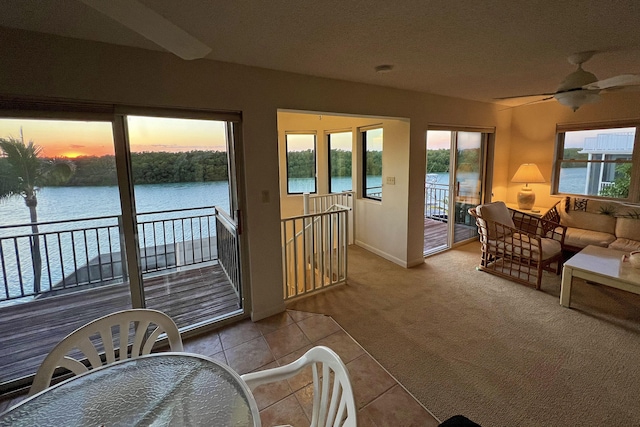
x: 329, y: 164
x: 634, y: 184
x: 315, y: 160
x: 363, y: 135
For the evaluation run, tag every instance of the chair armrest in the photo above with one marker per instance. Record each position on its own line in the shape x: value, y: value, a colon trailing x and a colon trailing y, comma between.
x: 552, y: 214
x: 553, y: 230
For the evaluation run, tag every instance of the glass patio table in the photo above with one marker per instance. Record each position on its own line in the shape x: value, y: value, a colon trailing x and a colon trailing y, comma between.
x: 159, y: 389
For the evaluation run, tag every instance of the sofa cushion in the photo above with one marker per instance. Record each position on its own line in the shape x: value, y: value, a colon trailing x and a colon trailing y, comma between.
x: 581, y: 238
x: 496, y: 212
x: 590, y: 214
x: 626, y: 245
x: 628, y: 222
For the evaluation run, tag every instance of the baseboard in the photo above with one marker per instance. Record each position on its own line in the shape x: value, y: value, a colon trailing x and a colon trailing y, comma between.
x: 263, y: 314
x: 383, y: 254
x: 416, y: 262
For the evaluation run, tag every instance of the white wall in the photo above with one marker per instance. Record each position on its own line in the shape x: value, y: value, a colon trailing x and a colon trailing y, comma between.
x: 41, y: 65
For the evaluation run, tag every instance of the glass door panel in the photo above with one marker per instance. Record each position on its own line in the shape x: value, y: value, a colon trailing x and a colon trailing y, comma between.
x: 188, y: 255
x: 437, y: 191
x: 61, y: 241
x: 468, y: 183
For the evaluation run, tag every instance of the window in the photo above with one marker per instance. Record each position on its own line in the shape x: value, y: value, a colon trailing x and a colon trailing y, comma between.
x: 301, y: 163
x: 340, y: 152
x: 372, y: 163
x: 596, y: 162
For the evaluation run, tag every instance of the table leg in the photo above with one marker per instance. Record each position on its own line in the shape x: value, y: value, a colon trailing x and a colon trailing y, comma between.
x: 565, y: 287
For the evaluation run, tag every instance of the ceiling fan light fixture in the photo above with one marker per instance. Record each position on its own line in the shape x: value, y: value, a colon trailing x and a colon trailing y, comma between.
x: 577, y: 98
x: 576, y: 80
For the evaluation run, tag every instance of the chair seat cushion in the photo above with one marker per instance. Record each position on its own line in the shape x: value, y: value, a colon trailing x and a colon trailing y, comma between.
x: 581, y: 238
x: 519, y: 244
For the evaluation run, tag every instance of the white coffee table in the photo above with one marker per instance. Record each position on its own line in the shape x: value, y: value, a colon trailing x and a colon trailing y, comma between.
x: 600, y: 265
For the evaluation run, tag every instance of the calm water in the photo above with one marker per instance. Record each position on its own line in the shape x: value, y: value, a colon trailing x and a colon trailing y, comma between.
x: 572, y: 179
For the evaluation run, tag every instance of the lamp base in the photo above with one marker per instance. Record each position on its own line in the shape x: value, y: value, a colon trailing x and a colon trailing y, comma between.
x: 526, y: 198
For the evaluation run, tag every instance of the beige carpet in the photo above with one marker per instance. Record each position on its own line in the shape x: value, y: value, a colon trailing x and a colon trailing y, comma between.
x: 467, y: 342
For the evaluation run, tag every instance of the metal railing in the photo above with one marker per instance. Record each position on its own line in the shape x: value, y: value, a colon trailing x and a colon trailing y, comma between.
x: 436, y: 204
x: 229, y: 249
x: 314, y: 251
x: 89, y: 251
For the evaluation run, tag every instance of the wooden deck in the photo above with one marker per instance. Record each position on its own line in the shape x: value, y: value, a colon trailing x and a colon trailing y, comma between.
x: 28, y: 331
x: 435, y: 234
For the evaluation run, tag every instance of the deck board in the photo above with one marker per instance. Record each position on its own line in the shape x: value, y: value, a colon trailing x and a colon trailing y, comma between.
x: 28, y: 331
x: 435, y: 234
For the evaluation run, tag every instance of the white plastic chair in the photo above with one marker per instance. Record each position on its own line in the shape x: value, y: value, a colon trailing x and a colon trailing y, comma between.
x: 81, y: 339
x: 333, y: 401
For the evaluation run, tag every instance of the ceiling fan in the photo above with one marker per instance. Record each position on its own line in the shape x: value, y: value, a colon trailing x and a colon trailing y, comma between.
x: 582, y: 87
x: 150, y: 24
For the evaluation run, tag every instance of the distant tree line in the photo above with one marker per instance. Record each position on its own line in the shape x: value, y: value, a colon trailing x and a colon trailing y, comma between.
x: 301, y: 164
x: 574, y: 154
x: 438, y: 160
x: 340, y: 161
x: 153, y: 168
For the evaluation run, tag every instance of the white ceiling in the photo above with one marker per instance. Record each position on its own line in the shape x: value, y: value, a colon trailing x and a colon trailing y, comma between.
x: 468, y: 49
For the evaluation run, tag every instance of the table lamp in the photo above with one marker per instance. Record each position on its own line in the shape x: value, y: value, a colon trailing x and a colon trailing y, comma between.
x: 526, y: 173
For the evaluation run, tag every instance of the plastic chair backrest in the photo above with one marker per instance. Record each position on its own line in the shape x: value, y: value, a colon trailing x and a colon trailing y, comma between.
x: 85, y: 340
x: 333, y: 401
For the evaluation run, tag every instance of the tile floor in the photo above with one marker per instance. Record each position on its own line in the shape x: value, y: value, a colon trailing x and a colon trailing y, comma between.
x: 280, y: 339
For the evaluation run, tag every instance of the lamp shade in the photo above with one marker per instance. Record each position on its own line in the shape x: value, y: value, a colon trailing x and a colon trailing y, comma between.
x: 526, y: 173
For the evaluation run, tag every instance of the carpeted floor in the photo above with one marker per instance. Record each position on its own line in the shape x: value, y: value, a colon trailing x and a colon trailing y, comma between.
x: 503, y: 354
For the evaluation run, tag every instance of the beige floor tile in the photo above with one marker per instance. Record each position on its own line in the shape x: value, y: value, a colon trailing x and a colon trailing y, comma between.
x: 238, y: 333
x: 318, y: 327
x: 220, y: 357
x: 274, y: 323
x: 343, y: 344
x: 304, y: 377
x: 398, y: 408
x: 364, y: 420
x: 249, y: 356
x: 207, y: 345
x: 368, y: 379
x: 286, y: 411
x: 300, y: 315
x: 286, y: 340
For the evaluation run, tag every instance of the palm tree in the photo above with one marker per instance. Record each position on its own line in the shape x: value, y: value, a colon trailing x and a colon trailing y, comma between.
x: 22, y: 173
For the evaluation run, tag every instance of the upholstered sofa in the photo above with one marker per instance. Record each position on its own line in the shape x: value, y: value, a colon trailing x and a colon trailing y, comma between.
x: 597, y: 222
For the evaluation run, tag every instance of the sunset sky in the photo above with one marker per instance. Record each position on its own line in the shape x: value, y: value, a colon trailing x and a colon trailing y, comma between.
x: 71, y: 139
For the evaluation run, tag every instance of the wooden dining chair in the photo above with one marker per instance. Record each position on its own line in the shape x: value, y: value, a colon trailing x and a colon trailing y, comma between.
x: 120, y: 335
x: 333, y: 401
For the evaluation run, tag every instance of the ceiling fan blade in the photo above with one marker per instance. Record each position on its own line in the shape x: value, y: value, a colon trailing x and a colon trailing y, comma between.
x: 526, y: 96
x: 535, y: 101
x: 621, y: 80
x: 148, y: 23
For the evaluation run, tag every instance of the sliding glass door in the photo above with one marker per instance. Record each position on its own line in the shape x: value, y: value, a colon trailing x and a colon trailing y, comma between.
x: 453, y: 183
x: 181, y: 184
x: 105, y: 212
